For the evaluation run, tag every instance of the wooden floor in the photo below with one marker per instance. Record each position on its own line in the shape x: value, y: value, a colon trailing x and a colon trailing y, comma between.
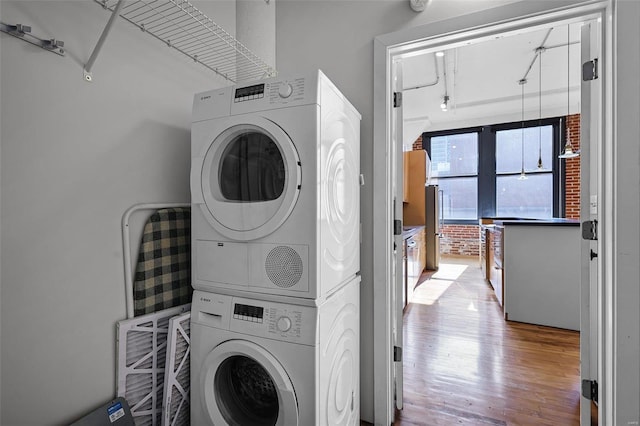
x: 463, y: 364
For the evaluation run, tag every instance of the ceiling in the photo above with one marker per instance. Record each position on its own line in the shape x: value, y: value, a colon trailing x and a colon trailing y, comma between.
x: 482, y: 81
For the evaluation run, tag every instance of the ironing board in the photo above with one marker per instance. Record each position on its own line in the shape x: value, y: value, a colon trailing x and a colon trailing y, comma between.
x: 162, y: 276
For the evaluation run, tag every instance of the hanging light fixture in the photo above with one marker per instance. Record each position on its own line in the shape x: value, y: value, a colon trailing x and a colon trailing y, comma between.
x: 540, y: 51
x: 568, y: 149
x: 522, y: 176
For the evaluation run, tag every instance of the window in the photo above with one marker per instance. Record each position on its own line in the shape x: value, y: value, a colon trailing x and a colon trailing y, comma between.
x: 478, y: 170
x: 454, y: 167
x: 531, y: 197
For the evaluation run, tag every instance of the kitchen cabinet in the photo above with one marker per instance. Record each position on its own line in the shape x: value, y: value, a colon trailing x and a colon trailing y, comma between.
x: 491, y: 257
x: 415, y: 259
x: 496, y: 276
x: 542, y: 272
x: 533, y: 267
x: 416, y: 166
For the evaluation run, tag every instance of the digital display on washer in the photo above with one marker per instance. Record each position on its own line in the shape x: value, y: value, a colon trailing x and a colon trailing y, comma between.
x: 247, y: 312
x: 250, y: 92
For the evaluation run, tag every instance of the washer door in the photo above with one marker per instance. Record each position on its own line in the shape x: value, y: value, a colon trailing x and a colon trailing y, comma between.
x: 243, y: 384
x: 250, y: 178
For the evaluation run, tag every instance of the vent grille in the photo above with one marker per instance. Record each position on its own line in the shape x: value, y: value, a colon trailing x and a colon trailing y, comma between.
x: 284, y: 266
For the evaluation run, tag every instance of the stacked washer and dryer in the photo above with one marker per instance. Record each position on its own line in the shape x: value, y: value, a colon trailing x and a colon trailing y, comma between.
x: 275, y: 318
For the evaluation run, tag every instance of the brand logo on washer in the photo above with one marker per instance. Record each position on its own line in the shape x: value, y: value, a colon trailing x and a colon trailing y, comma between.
x: 204, y: 299
x: 204, y: 98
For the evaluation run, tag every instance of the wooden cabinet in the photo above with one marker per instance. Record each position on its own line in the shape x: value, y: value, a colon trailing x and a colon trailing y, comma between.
x: 415, y: 255
x: 416, y: 166
x: 493, y: 263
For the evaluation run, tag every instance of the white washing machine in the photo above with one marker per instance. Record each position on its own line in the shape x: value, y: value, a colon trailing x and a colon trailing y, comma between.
x: 275, y: 188
x: 258, y: 363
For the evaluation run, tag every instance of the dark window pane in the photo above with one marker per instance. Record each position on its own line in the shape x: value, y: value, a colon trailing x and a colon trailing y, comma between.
x: 530, y: 198
x: 454, y: 155
x: 459, y: 198
x: 251, y: 169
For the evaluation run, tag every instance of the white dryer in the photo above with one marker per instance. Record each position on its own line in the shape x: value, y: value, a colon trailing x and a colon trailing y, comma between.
x: 258, y: 363
x: 275, y: 188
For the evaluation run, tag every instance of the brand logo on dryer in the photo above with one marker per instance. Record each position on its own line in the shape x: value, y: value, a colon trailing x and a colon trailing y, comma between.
x: 204, y: 98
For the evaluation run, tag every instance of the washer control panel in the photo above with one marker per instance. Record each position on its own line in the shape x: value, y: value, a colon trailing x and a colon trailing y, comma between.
x: 280, y: 321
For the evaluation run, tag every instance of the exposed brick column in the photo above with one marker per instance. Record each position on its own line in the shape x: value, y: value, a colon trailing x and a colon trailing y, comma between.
x: 417, y: 145
x: 572, y: 170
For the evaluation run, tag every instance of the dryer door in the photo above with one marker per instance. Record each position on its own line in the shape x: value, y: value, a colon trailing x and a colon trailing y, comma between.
x: 243, y: 384
x: 249, y: 178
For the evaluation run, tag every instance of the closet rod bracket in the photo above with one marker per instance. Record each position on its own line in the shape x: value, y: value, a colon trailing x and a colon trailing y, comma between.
x: 23, y: 32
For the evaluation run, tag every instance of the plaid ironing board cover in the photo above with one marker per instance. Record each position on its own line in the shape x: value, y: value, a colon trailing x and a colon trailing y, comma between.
x: 163, y: 271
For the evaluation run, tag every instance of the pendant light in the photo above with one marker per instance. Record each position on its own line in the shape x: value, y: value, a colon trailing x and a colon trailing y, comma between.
x: 540, y: 50
x: 568, y: 149
x: 522, y: 176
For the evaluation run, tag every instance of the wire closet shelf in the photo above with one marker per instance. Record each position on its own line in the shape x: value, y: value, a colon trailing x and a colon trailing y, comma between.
x: 180, y: 25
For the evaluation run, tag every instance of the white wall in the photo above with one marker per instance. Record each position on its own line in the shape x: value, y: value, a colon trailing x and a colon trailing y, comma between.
x: 337, y: 37
x: 626, y: 196
x: 75, y: 156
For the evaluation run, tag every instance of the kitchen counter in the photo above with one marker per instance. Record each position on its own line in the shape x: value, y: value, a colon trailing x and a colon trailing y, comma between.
x: 410, y: 231
x: 537, y: 222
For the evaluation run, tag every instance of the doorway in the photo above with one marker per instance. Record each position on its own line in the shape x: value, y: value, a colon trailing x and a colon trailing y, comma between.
x: 464, y: 31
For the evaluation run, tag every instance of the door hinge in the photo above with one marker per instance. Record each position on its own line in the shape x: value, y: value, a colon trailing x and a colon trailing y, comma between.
x: 397, y: 99
x: 590, y: 70
x: 590, y: 389
x: 397, y: 227
x: 397, y: 354
x: 590, y: 230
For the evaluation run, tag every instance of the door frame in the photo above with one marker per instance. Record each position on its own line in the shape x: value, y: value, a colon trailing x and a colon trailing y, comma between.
x: 461, y: 30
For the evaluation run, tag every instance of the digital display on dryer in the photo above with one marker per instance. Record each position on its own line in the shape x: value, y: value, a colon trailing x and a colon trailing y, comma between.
x: 248, y: 313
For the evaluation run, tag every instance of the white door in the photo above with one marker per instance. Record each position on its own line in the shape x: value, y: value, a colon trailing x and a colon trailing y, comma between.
x: 396, y: 192
x: 590, y: 194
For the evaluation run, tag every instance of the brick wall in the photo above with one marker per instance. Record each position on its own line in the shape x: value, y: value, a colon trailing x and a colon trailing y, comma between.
x: 572, y: 170
x: 417, y: 145
x: 460, y: 239
x: 464, y: 239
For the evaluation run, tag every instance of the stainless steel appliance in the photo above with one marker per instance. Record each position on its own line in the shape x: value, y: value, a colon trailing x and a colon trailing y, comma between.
x: 432, y: 226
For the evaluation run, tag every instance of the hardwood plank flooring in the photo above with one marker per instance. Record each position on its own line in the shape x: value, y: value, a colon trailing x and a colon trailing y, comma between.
x: 464, y: 364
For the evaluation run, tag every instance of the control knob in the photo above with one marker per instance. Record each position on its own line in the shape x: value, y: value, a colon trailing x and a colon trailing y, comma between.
x: 285, y: 90
x: 283, y: 324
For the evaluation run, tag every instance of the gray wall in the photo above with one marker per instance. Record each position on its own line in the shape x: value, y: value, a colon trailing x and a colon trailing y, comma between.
x: 337, y: 36
x: 75, y: 156
x: 626, y: 195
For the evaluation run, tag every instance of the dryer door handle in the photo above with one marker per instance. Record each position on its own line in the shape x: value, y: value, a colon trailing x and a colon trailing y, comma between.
x: 196, y: 184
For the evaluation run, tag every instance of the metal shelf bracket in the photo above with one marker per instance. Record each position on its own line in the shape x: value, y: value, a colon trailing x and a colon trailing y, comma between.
x: 96, y: 50
x: 23, y: 32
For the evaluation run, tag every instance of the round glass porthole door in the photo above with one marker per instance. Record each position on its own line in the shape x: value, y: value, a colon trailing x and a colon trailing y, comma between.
x: 250, y: 179
x: 245, y: 385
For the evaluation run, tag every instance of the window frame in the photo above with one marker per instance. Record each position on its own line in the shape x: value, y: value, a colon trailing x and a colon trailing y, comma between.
x: 486, y: 173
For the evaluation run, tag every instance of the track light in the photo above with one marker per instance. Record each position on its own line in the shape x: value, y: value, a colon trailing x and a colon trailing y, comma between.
x: 445, y: 103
